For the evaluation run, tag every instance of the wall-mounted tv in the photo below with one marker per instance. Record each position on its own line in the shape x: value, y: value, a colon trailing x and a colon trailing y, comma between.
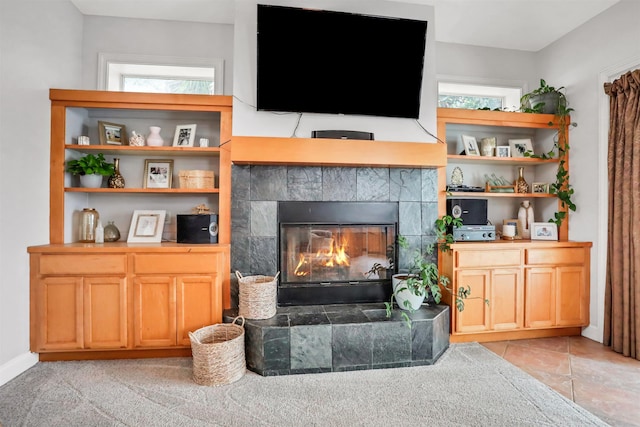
x: 319, y: 61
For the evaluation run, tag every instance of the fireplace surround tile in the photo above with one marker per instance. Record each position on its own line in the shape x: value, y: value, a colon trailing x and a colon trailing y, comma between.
x: 339, y: 184
x: 372, y: 184
x: 304, y: 183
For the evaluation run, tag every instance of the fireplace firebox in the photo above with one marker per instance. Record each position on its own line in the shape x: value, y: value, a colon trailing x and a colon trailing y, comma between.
x: 336, y: 252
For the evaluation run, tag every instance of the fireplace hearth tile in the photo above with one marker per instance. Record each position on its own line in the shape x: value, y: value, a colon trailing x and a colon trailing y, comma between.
x: 311, y: 347
x: 352, y: 346
x: 276, y: 343
x: 391, y: 343
x: 312, y: 339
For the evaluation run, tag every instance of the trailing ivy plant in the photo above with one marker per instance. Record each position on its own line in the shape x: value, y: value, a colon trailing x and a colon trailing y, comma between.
x: 561, y: 187
x: 424, y: 275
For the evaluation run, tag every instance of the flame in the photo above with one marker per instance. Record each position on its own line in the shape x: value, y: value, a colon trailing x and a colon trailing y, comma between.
x: 301, y: 263
x: 334, y: 255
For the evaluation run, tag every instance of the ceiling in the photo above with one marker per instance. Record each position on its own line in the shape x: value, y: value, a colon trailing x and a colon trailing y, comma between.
x: 528, y: 25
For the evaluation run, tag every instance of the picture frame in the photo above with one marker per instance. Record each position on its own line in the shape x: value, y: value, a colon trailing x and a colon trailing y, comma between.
x: 470, y: 145
x: 544, y: 231
x: 520, y: 146
x: 539, y: 187
x: 146, y: 226
x: 515, y: 222
x: 112, y: 133
x: 185, y: 136
x: 503, y: 151
x: 158, y: 173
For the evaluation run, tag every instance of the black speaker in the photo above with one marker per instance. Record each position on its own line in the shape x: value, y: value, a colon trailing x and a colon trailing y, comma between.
x: 342, y: 134
x: 197, y: 228
x: 472, y: 211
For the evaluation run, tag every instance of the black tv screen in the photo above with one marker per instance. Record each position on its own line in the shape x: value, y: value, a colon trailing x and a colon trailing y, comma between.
x: 318, y: 61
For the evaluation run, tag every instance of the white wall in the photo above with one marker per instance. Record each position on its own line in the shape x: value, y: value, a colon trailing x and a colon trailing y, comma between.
x: 157, y: 38
x: 248, y: 121
x: 576, y: 61
x: 40, y: 45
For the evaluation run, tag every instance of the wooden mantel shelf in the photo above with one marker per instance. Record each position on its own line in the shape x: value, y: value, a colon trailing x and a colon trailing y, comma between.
x: 250, y: 150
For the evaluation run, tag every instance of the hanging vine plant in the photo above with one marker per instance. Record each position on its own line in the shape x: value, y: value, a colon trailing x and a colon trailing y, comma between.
x: 561, y: 187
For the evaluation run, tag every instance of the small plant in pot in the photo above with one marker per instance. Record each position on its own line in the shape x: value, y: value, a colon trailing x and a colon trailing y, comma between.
x: 545, y: 99
x: 91, y: 169
x: 423, y: 280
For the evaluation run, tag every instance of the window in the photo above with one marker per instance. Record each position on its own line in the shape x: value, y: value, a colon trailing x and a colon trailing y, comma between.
x: 136, y: 73
x: 477, y: 96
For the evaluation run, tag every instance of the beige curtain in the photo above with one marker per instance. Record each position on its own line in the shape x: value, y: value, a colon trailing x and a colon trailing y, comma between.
x: 622, y: 295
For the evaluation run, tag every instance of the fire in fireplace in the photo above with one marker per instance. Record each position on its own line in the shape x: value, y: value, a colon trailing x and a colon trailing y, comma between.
x: 336, y: 252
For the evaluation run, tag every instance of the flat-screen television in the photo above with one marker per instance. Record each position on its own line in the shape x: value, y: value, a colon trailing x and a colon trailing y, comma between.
x: 319, y: 61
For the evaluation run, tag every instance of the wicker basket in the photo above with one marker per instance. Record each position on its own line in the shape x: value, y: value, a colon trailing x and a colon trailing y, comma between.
x: 257, y: 296
x: 196, y: 179
x: 218, y: 353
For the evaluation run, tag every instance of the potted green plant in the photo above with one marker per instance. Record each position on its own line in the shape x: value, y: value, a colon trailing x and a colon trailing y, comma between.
x: 423, y: 279
x: 545, y: 99
x: 91, y: 169
x: 560, y: 108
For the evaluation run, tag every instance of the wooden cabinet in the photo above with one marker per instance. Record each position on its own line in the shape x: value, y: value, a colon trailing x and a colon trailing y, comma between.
x: 558, y: 276
x: 82, y: 305
x: 79, y: 301
x: 169, y: 303
x: 540, y: 128
x: 533, y: 289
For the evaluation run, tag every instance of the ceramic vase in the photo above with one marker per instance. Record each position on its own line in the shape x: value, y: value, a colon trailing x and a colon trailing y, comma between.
x: 116, y: 180
x: 525, y: 219
x: 111, y: 232
x: 406, y: 299
x: 154, y: 139
x: 521, y: 184
x: 91, y: 181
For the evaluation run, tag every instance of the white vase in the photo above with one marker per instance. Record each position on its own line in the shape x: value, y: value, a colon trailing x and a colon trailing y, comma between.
x: 154, y: 139
x: 91, y: 181
x: 403, y: 294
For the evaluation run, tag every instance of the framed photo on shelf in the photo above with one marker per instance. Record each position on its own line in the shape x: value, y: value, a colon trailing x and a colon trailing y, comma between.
x: 470, y: 145
x: 146, y: 226
x: 112, y: 133
x: 544, y: 231
x: 539, y: 187
x: 520, y: 146
x: 503, y: 151
x: 185, y: 136
x: 158, y: 173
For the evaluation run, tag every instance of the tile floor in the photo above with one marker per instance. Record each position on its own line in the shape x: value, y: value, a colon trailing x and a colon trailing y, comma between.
x: 603, y: 382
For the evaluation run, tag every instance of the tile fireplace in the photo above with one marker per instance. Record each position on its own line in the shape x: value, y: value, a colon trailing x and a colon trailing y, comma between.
x: 336, y: 252
x: 333, y: 320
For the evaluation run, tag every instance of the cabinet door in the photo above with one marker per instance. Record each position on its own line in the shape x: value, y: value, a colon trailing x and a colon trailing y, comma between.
x: 105, y: 312
x: 154, y: 310
x: 572, y: 299
x: 199, y: 303
x: 540, y: 297
x: 475, y: 316
x: 59, y: 313
x: 506, y: 301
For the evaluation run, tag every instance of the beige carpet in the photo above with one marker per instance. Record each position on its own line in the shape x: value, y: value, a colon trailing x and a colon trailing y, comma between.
x: 468, y: 386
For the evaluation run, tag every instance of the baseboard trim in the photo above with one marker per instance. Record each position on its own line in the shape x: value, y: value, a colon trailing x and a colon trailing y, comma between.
x: 592, y: 333
x: 16, y: 366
